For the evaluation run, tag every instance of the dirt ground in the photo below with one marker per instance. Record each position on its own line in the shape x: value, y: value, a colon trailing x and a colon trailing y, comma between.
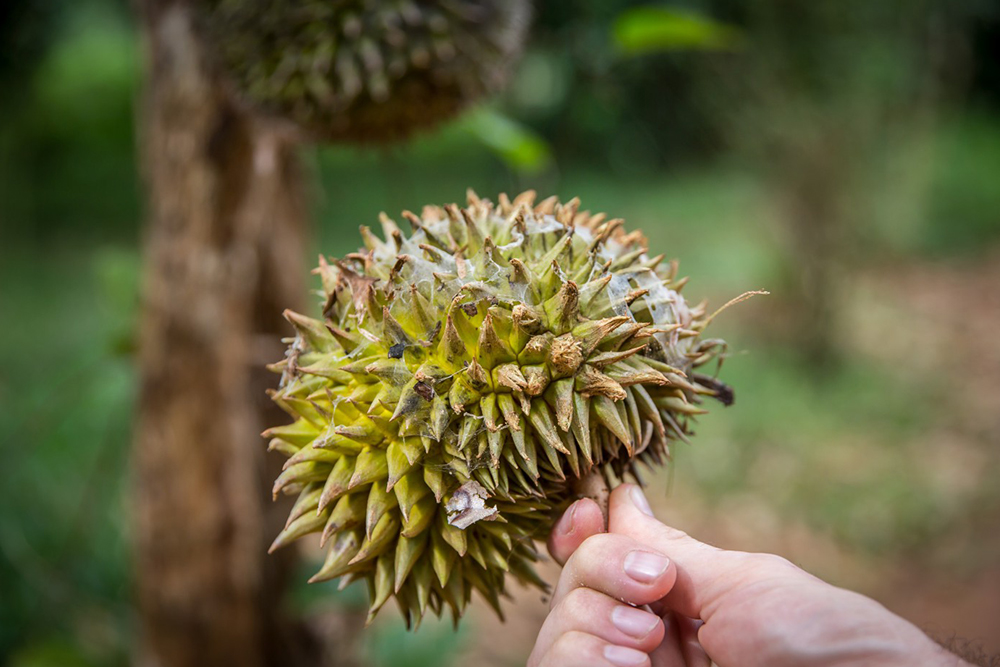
x: 944, y: 321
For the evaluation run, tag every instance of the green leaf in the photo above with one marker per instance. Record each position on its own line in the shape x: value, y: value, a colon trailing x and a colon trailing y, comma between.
x: 660, y: 29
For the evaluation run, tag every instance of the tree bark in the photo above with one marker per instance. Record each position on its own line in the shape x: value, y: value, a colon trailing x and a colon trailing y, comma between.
x: 813, y: 186
x: 224, y: 255
x: 810, y: 179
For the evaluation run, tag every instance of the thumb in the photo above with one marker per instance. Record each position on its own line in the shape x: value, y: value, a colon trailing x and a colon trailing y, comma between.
x: 706, y: 575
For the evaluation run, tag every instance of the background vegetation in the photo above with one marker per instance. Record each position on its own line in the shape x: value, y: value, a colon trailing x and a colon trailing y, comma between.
x: 698, y: 123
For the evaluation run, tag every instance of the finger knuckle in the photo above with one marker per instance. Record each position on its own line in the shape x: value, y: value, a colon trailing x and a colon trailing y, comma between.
x: 598, y: 542
x: 578, y: 604
x: 775, y: 562
x: 570, y: 644
x: 672, y: 533
x: 592, y: 549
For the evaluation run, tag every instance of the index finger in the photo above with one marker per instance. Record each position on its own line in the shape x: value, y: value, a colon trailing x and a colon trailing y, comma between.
x: 581, y: 520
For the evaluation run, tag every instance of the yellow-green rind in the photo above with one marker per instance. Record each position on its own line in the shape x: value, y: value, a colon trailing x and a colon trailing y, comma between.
x: 463, y: 376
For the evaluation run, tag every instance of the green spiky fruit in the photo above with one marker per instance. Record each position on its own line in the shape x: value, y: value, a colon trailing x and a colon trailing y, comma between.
x: 464, y: 378
x: 364, y: 70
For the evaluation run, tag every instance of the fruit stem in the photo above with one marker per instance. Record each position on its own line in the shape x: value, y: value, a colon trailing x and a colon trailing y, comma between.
x: 593, y: 485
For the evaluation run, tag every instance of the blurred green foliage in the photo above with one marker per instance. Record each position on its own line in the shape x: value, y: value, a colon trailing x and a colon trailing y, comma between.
x: 437, y: 643
x: 68, y: 397
x: 520, y: 149
x: 964, y: 197
x: 631, y: 135
x: 785, y: 415
x: 67, y: 148
x: 656, y: 29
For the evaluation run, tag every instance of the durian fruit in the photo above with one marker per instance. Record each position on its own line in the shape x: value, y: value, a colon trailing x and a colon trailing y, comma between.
x: 465, y: 378
x: 364, y: 70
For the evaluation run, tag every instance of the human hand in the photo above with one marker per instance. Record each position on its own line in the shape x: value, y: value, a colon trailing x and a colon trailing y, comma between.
x: 646, y: 595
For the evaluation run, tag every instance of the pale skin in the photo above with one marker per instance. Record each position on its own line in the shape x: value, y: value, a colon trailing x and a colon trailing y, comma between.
x: 643, y: 594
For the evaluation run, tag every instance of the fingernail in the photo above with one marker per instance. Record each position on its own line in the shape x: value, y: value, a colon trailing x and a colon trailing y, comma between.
x: 623, y: 656
x: 634, y: 622
x: 565, y: 523
x: 639, y: 500
x: 644, y: 566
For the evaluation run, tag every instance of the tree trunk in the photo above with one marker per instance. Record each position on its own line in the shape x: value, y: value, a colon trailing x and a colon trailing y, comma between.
x: 811, y: 185
x: 815, y: 228
x: 224, y: 254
